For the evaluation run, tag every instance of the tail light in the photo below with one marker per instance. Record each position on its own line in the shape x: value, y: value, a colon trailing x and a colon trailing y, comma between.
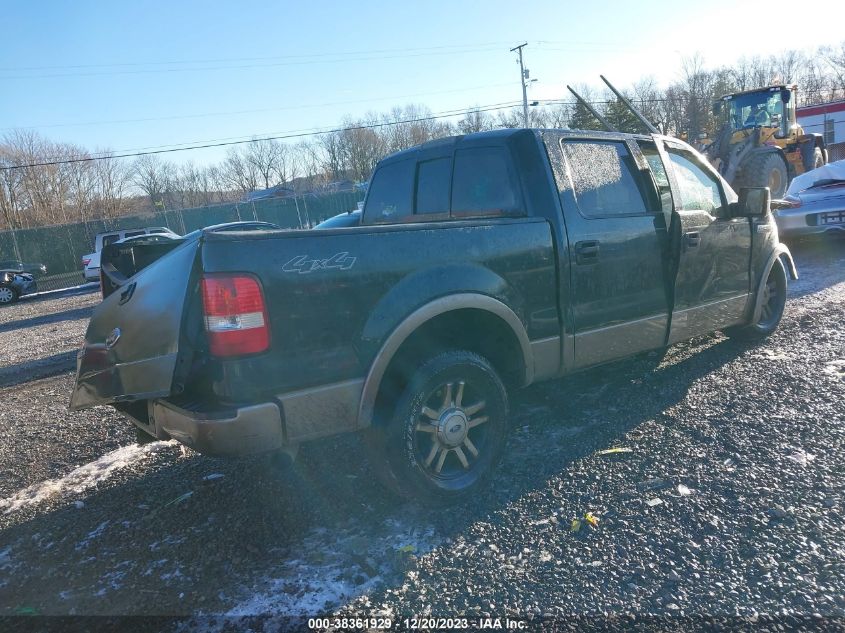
x: 86, y: 261
x: 235, y: 315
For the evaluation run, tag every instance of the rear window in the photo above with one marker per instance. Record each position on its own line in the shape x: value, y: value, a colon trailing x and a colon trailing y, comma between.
x: 110, y: 239
x: 603, y: 178
x: 389, y: 196
x: 483, y: 182
x: 433, y: 186
x: 134, y: 233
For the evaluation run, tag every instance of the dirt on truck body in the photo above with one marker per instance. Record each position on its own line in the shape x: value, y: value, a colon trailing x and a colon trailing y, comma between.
x: 480, y: 264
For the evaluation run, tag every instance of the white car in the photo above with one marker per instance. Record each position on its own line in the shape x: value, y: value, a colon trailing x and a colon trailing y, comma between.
x: 91, y: 262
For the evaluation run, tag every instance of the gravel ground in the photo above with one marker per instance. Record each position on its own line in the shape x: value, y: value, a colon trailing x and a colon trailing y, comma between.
x: 731, y: 499
x: 41, y: 334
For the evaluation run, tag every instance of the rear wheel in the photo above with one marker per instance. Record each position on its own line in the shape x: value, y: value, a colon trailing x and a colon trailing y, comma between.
x: 766, y: 170
x: 773, y: 304
x: 8, y: 295
x: 447, y: 431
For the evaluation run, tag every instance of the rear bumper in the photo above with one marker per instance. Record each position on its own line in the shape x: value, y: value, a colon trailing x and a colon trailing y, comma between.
x: 241, y: 431
x: 289, y: 419
x: 797, y: 222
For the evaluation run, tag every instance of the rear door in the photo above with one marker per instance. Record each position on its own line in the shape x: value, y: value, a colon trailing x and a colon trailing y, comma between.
x: 713, y: 250
x: 132, y: 342
x: 618, y: 244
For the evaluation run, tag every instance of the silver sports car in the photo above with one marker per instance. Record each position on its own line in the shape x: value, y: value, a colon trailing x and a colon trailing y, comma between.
x: 814, y: 202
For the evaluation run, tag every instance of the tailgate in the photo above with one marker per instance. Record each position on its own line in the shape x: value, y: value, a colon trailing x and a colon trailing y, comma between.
x: 132, y: 341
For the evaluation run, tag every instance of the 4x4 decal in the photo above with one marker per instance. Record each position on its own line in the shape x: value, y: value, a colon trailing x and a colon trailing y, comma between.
x: 302, y: 265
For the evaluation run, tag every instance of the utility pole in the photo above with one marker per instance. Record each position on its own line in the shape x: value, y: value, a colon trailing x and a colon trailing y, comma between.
x: 523, y: 75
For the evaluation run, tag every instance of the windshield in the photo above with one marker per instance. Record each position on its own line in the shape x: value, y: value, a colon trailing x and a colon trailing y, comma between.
x: 756, y: 109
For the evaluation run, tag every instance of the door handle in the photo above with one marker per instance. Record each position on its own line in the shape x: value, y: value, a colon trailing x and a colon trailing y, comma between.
x: 692, y: 239
x: 587, y: 252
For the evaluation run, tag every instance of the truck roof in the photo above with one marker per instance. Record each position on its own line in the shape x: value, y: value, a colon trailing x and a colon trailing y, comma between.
x: 772, y: 88
x: 506, y: 133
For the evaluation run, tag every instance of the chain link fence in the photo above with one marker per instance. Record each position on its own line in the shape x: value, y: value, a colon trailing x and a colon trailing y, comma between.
x: 62, y: 247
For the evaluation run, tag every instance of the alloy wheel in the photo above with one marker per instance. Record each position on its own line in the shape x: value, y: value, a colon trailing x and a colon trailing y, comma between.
x: 450, y: 432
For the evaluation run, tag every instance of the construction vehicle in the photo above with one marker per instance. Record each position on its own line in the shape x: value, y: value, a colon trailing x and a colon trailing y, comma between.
x: 760, y: 143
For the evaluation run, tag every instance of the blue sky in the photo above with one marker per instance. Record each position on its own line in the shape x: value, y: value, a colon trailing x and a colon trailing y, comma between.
x: 129, y: 75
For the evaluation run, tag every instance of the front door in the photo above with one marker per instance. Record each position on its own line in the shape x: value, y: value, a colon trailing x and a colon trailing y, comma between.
x: 712, y: 249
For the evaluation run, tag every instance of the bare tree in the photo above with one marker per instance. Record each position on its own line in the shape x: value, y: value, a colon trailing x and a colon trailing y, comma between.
x: 263, y: 155
x: 361, y: 148
x: 113, y: 178
x: 475, y: 121
x: 11, y: 187
x: 238, y: 173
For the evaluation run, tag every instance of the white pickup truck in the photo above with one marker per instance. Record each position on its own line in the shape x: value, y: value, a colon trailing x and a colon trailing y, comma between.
x: 91, y: 262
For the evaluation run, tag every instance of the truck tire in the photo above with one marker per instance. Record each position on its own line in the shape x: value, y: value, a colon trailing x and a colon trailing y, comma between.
x: 766, y: 170
x: 447, y: 431
x: 8, y: 295
x: 774, y: 301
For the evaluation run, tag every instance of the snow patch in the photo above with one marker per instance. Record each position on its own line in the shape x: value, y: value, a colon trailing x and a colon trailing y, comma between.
x: 82, y: 478
x: 93, y: 534
x: 835, y: 368
x: 325, y: 576
x: 772, y: 354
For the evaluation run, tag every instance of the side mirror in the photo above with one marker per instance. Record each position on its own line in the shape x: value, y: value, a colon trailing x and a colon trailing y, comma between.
x: 754, y: 202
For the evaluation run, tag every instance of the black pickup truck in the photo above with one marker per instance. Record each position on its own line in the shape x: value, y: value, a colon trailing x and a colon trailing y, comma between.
x: 480, y: 263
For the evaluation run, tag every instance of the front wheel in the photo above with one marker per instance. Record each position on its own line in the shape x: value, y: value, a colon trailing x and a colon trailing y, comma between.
x: 447, y: 432
x: 766, y: 170
x: 773, y: 304
x: 8, y: 295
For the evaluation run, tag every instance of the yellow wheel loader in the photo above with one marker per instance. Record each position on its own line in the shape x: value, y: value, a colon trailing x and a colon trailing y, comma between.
x: 760, y: 143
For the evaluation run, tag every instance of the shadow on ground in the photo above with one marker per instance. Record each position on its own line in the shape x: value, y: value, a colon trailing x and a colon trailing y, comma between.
x: 161, y: 539
x: 40, y: 368
x: 47, y: 319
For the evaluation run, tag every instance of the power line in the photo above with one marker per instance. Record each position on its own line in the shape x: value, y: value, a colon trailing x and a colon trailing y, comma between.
x: 211, y: 144
x: 569, y: 46
x: 333, y: 60
x: 276, y: 109
x: 245, y: 59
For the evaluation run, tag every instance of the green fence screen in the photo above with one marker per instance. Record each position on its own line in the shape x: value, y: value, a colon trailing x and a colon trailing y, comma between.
x: 62, y: 247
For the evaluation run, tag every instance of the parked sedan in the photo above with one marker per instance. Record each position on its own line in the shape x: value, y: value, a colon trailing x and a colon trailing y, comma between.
x: 36, y: 270
x: 814, y: 202
x: 13, y: 284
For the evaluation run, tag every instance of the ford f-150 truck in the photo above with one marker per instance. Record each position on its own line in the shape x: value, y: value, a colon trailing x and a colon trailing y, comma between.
x: 480, y: 263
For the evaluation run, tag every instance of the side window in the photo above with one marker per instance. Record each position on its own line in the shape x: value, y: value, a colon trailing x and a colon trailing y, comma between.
x: 389, y: 196
x: 658, y: 170
x: 110, y: 239
x: 698, y: 189
x: 603, y: 178
x: 482, y: 182
x: 433, y: 178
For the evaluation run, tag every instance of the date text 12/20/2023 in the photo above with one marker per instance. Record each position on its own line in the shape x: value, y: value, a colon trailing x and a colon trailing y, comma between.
x: 417, y: 623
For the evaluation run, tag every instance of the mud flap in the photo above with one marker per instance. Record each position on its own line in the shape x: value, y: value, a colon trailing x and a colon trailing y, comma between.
x: 132, y: 342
